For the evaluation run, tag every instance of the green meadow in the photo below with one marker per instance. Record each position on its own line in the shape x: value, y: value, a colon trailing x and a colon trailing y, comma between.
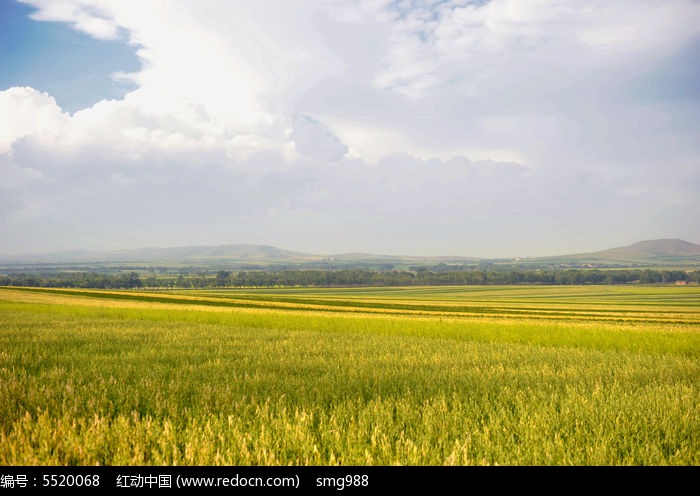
x: 488, y: 375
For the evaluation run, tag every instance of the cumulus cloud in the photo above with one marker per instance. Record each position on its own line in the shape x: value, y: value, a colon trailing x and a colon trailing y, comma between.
x: 91, y: 19
x: 27, y: 112
x: 329, y: 125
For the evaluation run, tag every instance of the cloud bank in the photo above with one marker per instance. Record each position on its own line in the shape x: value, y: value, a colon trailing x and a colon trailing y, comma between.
x: 496, y: 128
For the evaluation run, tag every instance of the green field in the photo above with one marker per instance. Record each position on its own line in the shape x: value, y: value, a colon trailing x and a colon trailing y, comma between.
x: 513, y: 375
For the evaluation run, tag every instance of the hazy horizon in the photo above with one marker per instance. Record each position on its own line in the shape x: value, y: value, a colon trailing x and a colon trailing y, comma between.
x: 322, y: 254
x: 487, y: 129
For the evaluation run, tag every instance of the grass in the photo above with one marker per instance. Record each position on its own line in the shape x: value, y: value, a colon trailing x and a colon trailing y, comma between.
x: 407, y: 376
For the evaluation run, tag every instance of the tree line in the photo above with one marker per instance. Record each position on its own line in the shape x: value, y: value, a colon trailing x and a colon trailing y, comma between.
x: 350, y: 278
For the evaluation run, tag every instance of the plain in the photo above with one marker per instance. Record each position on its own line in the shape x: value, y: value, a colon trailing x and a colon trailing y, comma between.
x: 512, y: 375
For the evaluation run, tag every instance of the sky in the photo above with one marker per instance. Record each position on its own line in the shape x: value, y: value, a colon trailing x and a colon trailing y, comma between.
x: 495, y: 128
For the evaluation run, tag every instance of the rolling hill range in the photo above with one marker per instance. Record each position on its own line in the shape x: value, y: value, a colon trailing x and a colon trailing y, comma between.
x: 650, y: 252
x: 180, y: 254
x: 652, y: 249
x: 659, y: 252
x: 245, y: 254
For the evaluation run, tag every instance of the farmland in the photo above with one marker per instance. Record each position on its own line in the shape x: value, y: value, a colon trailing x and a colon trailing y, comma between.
x: 508, y: 375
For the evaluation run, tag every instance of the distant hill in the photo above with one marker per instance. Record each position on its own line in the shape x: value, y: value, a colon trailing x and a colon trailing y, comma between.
x: 182, y: 254
x: 652, y: 249
x: 238, y: 254
x: 369, y: 257
x: 644, y: 253
x: 218, y: 252
x: 649, y: 252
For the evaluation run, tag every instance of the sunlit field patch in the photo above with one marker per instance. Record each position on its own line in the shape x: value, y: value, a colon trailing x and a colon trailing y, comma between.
x: 381, y: 376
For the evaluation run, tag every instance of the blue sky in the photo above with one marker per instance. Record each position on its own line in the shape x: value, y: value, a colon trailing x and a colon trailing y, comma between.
x: 489, y: 128
x: 73, y: 67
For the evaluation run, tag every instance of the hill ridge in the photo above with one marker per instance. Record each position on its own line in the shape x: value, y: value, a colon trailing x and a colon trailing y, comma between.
x: 663, y: 250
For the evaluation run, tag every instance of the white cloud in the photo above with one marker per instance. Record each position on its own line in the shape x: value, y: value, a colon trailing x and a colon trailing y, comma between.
x: 223, y: 69
x: 27, y: 112
x: 466, y: 45
x: 92, y: 18
x: 461, y: 121
x: 373, y: 142
x: 16, y: 178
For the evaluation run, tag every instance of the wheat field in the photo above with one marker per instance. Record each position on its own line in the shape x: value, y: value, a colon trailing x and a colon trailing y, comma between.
x: 512, y: 375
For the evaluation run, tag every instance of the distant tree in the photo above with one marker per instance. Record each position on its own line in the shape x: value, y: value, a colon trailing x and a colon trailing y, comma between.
x: 223, y: 278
